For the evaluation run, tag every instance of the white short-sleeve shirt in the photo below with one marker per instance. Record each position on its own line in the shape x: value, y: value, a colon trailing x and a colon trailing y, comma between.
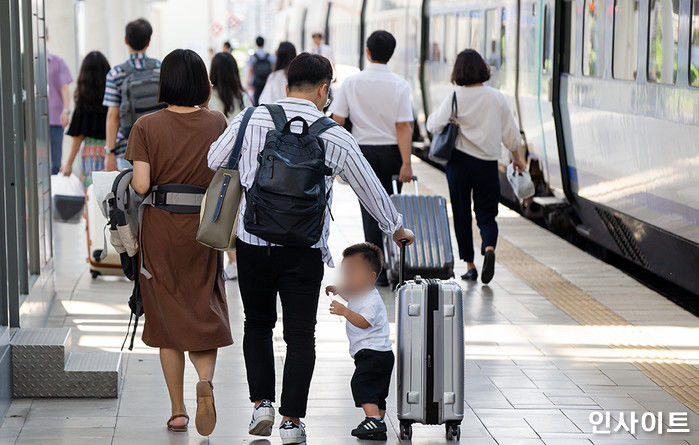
x: 374, y: 99
x: 377, y: 336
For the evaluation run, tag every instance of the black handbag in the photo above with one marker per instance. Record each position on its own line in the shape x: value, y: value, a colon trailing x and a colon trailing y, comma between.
x: 443, y: 144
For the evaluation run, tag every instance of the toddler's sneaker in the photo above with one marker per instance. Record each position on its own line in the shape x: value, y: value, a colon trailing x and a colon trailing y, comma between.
x: 291, y: 432
x: 262, y: 419
x: 371, y: 428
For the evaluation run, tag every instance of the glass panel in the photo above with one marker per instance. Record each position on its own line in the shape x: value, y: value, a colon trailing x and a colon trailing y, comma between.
x: 477, y: 31
x: 593, y: 38
x: 450, y: 47
x: 694, y: 49
x: 437, y: 38
x: 492, y: 38
x: 662, y: 41
x: 625, y: 39
x: 546, y: 60
x: 503, y: 52
x: 463, y: 32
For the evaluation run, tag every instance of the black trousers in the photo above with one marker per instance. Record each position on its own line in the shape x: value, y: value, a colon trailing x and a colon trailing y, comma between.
x: 295, y: 274
x: 372, y: 377
x: 385, y: 160
x: 468, y: 175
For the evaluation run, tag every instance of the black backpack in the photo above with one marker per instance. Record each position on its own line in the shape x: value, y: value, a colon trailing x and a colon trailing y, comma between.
x: 261, y: 70
x: 286, y: 203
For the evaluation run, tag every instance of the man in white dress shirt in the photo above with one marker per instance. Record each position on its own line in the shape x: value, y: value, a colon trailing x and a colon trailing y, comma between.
x: 295, y: 273
x: 378, y: 103
x: 322, y: 49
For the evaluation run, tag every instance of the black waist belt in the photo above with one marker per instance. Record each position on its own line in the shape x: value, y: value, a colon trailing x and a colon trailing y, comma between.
x: 379, y: 147
x: 178, y: 198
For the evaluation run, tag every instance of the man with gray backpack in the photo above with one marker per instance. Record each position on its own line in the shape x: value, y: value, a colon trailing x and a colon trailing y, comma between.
x: 288, y: 158
x: 131, y: 91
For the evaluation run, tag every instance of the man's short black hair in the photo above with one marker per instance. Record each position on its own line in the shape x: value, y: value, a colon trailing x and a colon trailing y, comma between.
x: 183, y: 79
x: 138, y: 34
x: 381, y: 44
x: 469, y: 69
x: 227, y: 44
x: 309, y: 70
x: 260, y: 41
x: 371, y: 253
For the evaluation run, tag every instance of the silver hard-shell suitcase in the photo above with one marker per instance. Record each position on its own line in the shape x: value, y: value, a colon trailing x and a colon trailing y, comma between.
x: 430, y: 355
x: 431, y: 255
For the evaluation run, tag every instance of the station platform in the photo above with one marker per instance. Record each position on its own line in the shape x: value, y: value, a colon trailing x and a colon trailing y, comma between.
x: 556, y: 336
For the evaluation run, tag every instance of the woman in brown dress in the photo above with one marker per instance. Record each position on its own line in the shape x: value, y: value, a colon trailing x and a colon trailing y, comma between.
x: 185, y: 300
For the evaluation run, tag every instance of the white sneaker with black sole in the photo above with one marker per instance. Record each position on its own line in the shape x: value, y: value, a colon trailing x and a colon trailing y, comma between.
x: 291, y: 432
x: 262, y: 419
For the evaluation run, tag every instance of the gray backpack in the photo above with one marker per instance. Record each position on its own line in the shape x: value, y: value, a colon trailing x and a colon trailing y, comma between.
x: 139, y: 93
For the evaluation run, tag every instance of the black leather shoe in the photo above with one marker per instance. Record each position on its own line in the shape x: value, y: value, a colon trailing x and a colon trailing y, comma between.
x: 471, y: 275
x: 488, y: 266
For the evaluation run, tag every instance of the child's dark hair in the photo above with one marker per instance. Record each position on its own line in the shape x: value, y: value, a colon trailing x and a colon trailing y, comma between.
x: 371, y: 253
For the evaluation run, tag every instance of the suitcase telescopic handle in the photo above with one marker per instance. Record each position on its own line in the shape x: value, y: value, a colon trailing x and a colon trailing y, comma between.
x: 394, y: 181
x: 401, y: 263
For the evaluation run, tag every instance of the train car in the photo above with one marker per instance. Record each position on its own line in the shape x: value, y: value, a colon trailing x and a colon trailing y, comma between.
x: 606, y: 92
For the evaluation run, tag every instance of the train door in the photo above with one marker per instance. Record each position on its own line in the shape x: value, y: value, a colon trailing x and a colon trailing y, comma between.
x: 546, y: 73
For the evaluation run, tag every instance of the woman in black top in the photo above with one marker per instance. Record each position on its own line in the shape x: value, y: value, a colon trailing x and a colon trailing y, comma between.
x: 88, y: 121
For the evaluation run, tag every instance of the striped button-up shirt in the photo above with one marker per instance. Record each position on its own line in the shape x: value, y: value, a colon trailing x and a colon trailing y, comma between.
x: 112, y: 93
x: 342, y: 156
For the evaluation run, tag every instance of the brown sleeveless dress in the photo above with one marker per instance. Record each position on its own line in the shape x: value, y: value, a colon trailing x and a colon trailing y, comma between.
x: 185, y: 301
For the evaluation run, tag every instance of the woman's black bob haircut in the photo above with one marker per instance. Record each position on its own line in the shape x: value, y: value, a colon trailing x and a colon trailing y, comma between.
x: 183, y: 79
x: 470, y: 69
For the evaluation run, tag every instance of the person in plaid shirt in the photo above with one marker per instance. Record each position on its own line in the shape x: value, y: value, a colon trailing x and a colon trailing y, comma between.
x: 138, y: 34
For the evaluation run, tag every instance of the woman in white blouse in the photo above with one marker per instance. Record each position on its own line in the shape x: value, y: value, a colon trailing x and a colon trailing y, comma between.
x: 485, y: 124
x: 275, y: 88
x: 228, y: 97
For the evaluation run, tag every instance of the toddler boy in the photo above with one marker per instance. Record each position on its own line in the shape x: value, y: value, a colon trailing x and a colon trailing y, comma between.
x: 368, y: 334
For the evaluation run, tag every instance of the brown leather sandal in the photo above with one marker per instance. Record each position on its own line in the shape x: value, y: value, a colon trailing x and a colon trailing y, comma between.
x: 177, y: 429
x: 206, y: 411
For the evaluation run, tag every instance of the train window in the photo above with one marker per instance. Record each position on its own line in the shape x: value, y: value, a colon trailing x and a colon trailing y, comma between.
x: 569, y: 15
x: 476, y: 31
x: 437, y: 38
x: 546, y: 60
x: 662, y: 41
x: 502, y: 48
x: 492, y: 38
x: 694, y: 49
x: 625, y: 49
x: 463, y: 33
x: 450, y: 45
x: 593, y: 38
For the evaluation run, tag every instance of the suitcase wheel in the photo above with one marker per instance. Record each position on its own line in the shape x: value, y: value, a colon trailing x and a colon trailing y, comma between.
x: 406, y: 430
x: 453, y: 431
x: 95, y: 274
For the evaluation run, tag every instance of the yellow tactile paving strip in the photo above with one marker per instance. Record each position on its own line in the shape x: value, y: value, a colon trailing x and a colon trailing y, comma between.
x: 674, y: 376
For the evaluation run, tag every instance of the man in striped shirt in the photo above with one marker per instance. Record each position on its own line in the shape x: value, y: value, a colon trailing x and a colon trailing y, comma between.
x: 294, y: 272
x: 138, y: 34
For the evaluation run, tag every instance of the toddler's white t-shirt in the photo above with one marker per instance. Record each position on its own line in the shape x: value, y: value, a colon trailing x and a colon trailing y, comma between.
x: 377, y: 335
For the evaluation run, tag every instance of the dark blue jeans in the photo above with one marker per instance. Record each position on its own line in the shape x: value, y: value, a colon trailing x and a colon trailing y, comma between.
x: 468, y: 176
x: 56, y: 136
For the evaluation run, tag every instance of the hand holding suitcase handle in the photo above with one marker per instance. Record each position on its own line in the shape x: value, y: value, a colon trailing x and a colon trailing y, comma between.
x: 394, y: 180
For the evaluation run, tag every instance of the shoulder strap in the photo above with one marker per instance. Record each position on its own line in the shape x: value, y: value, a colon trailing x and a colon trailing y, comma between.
x: 454, y: 106
x: 322, y: 124
x: 128, y: 68
x: 278, y: 115
x: 235, y: 153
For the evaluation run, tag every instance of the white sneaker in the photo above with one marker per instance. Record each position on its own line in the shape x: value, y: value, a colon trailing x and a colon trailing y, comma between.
x: 291, y: 432
x: 231, y: 272
x: 262, y: 419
